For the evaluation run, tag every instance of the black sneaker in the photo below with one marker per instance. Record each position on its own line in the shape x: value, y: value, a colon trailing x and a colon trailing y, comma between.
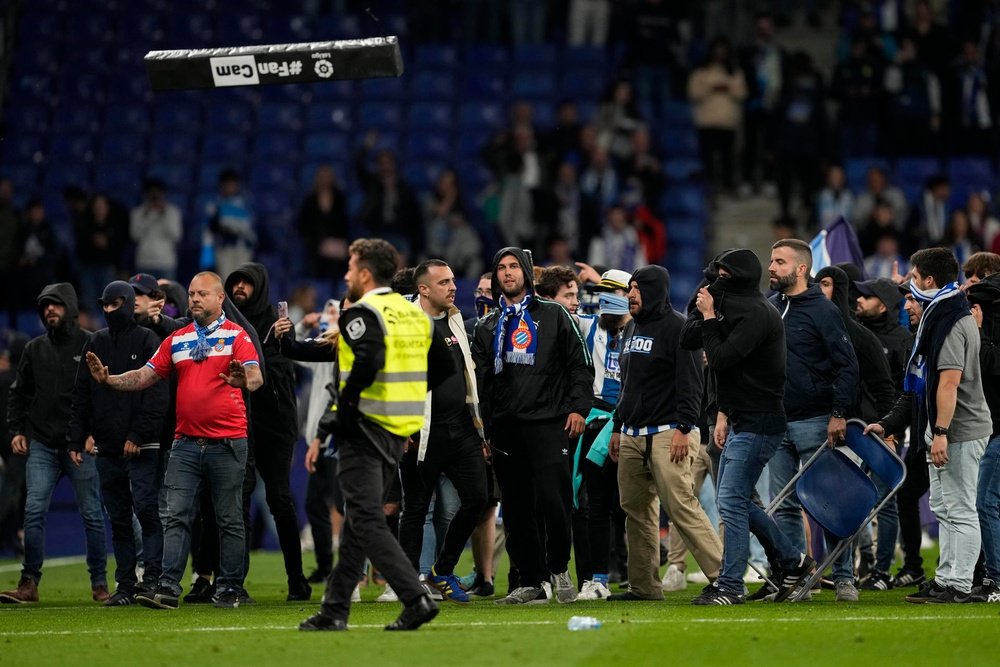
x: 320, y: 622
x: 227, y: 599
x: 713, y: 595
x: 765, y: 592
x: 483, y: 589
x: 299, y: 590
x: 161, y: 598
x: 928, y: 590
x: 201, y: 592
x: 790, y: 579
x: 318, y: 576
x: 988, y: 591
x: 414, y: 615
x: 245, y: 599
x: 877, y: 581
x: 907, y: 577
x: 120, y: 599
x: 950, y: 595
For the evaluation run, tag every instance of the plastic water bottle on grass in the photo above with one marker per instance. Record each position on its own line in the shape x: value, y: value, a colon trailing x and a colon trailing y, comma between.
x: 583, y: 623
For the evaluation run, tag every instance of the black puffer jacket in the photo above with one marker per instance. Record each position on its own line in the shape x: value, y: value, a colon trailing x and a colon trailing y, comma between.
x: 986, y: 295
x: 113, y: 417
x: 562, y: 377
x: 40, y: 398
x: 273, y: 412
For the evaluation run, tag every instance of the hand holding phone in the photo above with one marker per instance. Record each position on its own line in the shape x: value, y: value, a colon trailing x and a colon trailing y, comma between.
x: 282, y: 310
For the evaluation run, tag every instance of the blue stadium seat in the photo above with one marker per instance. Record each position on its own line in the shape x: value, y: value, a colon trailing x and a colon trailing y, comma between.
x: 679, y: 143
x: 436, y: 56
x: 590, y: 57
x: 388, y: 89
x: 530, y: 56
x: 484, y: 85
x: 385, y: 141
x: 678, y: 114
x: 185, y: 117
x: 71, y: 147
x: 270, y: 203
x: 276, y: 144
x: 85, y: 88
x: 586, y: 110
x: 327, y: 145
x: 222, y: 147
x: 126, y: 118
x: 239, y: 29
x: 686, y: 232
x: 430, y: 115
x: 280, y: 116
x: 233, y: 117
x: 428, y: 86
x: 326, y: 116
x: 265, y: 178
x: 380, y: 115
x: 682, y: 169
x: 968, y: 175
x: 119, y: 180
x: 27, y: 117
x: 307, y: 174
x: 33, y: 88
x: 544, y: 114
x: 333, y: 91
x: 76, y: 118
x: 488, y: 57
x: 190, y: 30
x: 121, y: 146
x: 856, y: 171
x: 129, y: 89
x: 483, y: 115
x: 177, y: 177
x: 58, y: 176
x: 285, y: 29
x: 470, y: 144
x: 585, y: 83
x: 422, y: 175
x: 173, y: 147
x: 428, y: 146
x: 473, y: 176
x: 346, y: 26
x: 23, y: 148
x: 532, y: 85
x: 914, y: 171
x: 208, y: 175
x: 683, y: 200
x: 41, y: 26
x: 24, y: 176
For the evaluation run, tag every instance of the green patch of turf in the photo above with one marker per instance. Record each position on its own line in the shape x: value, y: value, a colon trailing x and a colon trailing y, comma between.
x: 66, y: 628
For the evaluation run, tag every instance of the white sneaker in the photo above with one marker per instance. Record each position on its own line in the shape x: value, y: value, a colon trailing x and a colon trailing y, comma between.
x: 697, y: 578
x: 564, y: 588
x: 751, y: 576
x: 432, y: 592
x: 547, y: 589
x: 388, y: 595
x: 593, y: 590
x: 356, y: 595
x: 673, y: 580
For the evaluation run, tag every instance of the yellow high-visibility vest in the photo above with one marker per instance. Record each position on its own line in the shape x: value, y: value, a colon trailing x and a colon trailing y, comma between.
x: 395, y: 401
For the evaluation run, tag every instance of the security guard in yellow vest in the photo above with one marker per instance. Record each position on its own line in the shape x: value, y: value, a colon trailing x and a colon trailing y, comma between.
x: 388, y: 359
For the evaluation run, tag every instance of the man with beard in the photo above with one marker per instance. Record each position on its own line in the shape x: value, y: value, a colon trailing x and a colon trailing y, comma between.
x: 603, y: 335
x: 821, y: 383
x: 214, y: 359
x: 273, y: 427
x: 535, y: 378
x: 38, y: 412
x: 126, y: 432
x: 388, y: 358
x: 744, y: 342
x: 451, y: 441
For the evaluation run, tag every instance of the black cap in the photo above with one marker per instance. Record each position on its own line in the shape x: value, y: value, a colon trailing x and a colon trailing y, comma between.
x: 143, y: 283
x: 883, y: 289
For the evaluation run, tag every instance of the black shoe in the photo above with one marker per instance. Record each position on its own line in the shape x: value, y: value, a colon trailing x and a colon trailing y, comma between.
x: 867, y: 564
x: 928, y: 590
x: 713, y: 595
x: 414, y: 615
x: 299, y: 590
x: 989, y: 591
x: 120, y: 599
x: 245, y: 598
x: 227, y: 599
x: 320, y: 622
x: 201, y: 593
x: 483, y: 589
x: 629, y: 596
x: 877, y: 581
x: 790, y: 579
x: 765, y: 592
x: 909, y: 577
x: 950, y: 595
x: 318, y: 576
x: 161, y: 598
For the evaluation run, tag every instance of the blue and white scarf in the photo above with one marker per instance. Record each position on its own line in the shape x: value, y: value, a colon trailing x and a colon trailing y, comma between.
x: 915, y: 380
x: 201, y: 350
x: 520, y: 346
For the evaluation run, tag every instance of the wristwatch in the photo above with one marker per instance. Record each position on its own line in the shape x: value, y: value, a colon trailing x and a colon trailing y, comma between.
x: 837, y: 414
x: 940, y: 430
x: 684, y: 428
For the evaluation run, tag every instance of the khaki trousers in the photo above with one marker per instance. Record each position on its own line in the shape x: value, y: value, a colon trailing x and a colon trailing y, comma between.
x: 676, y: 549
x: 643, y: 485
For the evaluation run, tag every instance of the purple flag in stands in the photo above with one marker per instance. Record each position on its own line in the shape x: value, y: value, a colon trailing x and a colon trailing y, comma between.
x: 835, y: 244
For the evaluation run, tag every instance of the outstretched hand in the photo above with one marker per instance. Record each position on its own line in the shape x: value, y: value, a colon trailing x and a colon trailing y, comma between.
x: 98, y: 370
x: 237, y: 375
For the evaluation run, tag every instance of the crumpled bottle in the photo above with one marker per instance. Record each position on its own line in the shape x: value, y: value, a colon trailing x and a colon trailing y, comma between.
x: 583, y: 623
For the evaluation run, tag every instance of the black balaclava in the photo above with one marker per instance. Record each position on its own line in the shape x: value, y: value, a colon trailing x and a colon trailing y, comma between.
x: 124, y: 317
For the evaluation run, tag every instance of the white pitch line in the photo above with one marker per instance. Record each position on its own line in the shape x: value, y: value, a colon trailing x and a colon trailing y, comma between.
x: 376, y: 626
x: 52, y: 562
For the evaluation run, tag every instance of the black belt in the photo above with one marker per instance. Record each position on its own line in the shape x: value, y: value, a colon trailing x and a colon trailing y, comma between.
x: 201, y: 442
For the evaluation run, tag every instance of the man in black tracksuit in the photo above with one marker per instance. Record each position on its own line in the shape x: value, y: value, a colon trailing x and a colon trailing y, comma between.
x: 273, y: 414
x: 878, y: 309
x: 744, y: 342
x: 126, y: 432
x: 535, y: 382
x: 655, y: 439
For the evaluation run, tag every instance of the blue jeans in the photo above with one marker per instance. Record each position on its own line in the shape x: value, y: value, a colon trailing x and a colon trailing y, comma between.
x: 988, y: 506
x: 888, y: 529
x: 190, y: 467
x: 43, y: 469
x: 743, y: 458
x: 801, y: 441
x: 131, y: 490
x: 443, y: 508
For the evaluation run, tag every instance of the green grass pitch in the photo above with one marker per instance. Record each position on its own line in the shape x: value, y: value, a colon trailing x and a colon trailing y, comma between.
x: 66, y: 628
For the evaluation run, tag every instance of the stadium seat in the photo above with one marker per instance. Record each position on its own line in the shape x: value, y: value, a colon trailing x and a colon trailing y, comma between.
x: 329, y: 116
x: 27, y: 116
x: 23, y: 148
x: 58, y: 176
x: 177, y: 177
x: 388, y: 89
x: 121, y: 146
x: 436, y: 57
x: 208, y: 175
x: 488, y: 57
x: 427, y: 145
x: 422, y: 175
x: 534, y: 56
x: 232, y: 116
x: 72, y: 147
x: 185, y: 117
x: 121, y: 181
x: 682, y: 169
x: 968, y: 175
x: 856, y: 171
x: 82, y: 88
x: 379, y: 115
x: 481, y: 115
x: 280, y: 116
x: 685, y: 201
x: 224, y: 147
x: 473, y: 176
x: 333, y: 91
x: 173, y: 147
x: 327, y: 146
x: 432, y: 86
x: 677, y: 115
x: 583, y: 57
x: 271, y: 177
x: 914, y: 171
x: 534, y: 85
x: 76, y: 118
x: 430, y: 116
x: 480, y: 85
x: 582, y: 83
x: 276, y: 144
x: 126, y: 118
x: 24, y: 176
x: 679, y: 143
x: 686, y: 232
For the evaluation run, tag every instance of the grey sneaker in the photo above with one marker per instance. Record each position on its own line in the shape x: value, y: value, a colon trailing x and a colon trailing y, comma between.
x: 522, y: 595
x: 846, y: 592
x: 564, y: 589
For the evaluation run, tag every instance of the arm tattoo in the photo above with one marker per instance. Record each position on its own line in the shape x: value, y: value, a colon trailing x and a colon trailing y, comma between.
x: 137, y: 380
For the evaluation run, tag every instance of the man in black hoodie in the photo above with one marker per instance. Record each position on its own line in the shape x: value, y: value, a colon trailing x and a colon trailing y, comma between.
x: 744, y: 342
x: 38, y: 412
x: 126, y: 432
x: 535, y: 379
x: 821, y: 385
x: 655, y: 439
x: 273, y: 419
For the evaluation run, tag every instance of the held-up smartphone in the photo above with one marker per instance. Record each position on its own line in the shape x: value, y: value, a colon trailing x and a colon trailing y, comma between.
x: 282, y: 309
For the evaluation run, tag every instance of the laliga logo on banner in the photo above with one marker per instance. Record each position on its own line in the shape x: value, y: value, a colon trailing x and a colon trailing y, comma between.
x: 234, y: 70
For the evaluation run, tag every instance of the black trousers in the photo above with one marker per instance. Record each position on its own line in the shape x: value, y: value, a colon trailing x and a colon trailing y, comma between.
x: 323, y: 494
x: 908, y: 507
x: 454, y: 450
x: 366, y: 475
x: 605, y: 504
x: 718, y: 156
x: 534, y: 480
x: 581, y: 514
x: 273, y: 460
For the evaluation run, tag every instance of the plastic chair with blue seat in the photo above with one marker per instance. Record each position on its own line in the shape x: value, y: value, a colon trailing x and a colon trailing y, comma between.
x: 837, y: 490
